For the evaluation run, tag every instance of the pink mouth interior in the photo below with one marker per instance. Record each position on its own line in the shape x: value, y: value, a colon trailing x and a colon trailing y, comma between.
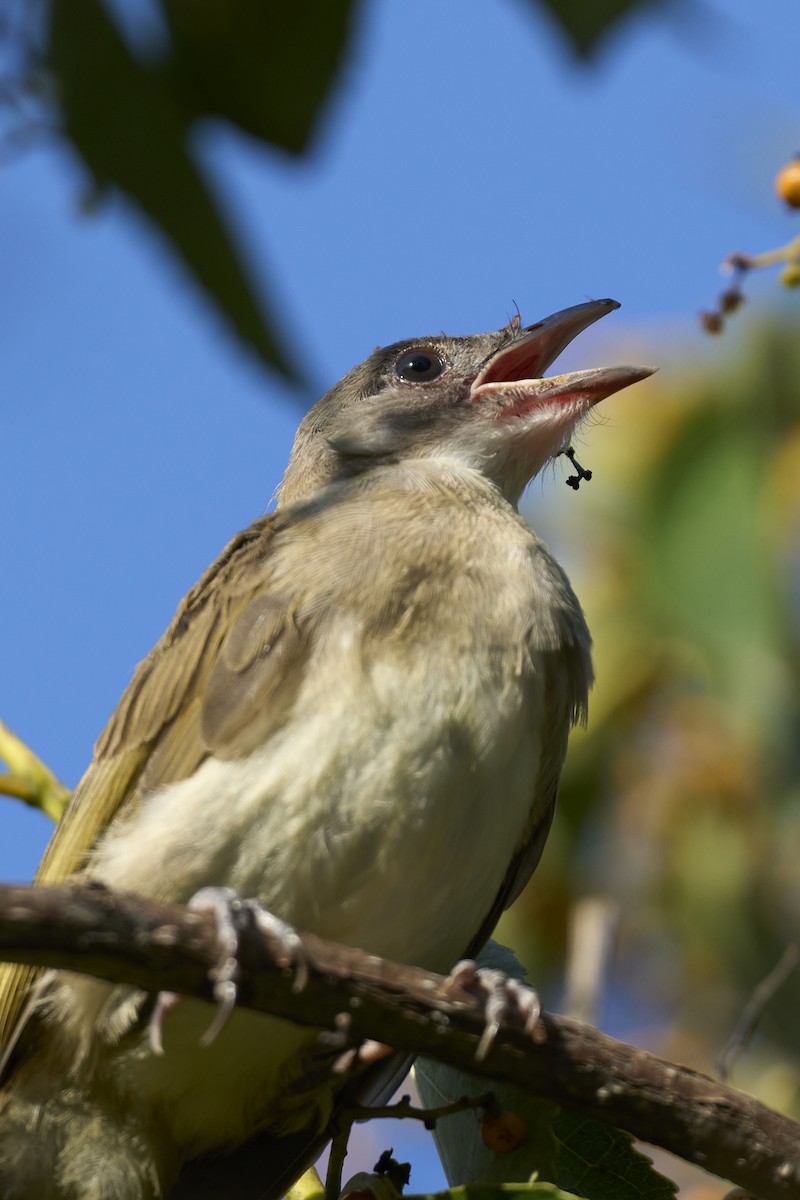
x: 525, y: 361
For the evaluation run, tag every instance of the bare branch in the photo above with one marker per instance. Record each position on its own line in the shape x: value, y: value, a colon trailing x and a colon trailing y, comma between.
x: 130, y: 940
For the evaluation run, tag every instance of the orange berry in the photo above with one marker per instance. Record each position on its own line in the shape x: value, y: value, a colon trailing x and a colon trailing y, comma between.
x: 787, y: 183
x: 502, y: 1132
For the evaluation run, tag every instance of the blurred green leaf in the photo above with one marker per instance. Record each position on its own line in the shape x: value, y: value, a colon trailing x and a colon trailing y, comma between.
x: 501, y: 1191
x: 268, y: 68
x: 708, y: 565
x: 602, y: 1163
x: 130, y: 124
x: 587, y: 24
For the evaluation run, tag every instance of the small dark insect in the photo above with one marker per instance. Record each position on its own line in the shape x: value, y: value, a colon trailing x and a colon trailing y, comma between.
x: 574, y: 481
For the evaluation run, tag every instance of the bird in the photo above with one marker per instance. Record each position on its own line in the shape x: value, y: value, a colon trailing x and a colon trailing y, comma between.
x: 358, y: 718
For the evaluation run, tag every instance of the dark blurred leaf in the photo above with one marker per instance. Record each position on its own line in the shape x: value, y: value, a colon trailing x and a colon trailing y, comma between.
x: 587, y: 22
x: 602, y: 1163
x: 130, y: 128
x: 266, y: 67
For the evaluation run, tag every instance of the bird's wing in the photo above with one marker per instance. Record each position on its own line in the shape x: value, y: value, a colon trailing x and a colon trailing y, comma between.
x: 224, y: 675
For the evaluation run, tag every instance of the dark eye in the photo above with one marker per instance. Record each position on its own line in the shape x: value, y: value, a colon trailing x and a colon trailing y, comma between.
x: 418, y: 366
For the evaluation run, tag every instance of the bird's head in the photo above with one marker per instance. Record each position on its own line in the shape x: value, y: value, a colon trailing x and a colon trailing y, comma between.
x: 482, y: 401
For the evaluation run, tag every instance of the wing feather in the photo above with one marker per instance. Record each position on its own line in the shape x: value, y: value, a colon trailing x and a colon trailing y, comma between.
x: 225, y: 672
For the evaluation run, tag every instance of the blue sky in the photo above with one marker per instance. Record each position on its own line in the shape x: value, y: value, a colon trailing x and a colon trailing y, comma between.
x: 466, y: 165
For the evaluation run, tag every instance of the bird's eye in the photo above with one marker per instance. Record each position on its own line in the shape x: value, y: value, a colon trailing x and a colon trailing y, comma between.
x: 418, y: 366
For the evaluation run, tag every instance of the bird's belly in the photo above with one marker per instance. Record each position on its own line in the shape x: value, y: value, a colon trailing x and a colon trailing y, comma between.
x: 386, y: 819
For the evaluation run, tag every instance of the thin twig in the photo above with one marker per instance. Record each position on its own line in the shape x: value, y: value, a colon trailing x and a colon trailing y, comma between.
x: 333, y: 1176
x: 754, y: 1009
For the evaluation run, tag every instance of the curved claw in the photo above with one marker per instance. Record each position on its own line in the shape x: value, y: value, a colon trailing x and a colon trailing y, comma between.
x: 232, y: 913
x: 502, y: 996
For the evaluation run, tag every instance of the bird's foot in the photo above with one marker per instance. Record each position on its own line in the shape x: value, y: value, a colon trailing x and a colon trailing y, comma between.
x: 501, y: 995
x: 365, y: 1052
x: 233, y: 915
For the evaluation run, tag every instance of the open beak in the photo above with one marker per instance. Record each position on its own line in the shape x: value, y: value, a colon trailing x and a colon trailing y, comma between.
x: 515, y: 372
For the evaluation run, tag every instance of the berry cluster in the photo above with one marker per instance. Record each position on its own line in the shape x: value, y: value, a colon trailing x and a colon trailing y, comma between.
x: 787, y: 185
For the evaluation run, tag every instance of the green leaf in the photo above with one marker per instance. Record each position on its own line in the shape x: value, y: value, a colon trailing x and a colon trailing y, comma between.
x: 602, y: 1163
x: 268, y: 68
x: 130, y: 127
x: 710, y: 569
x: 587, y: 23
x: 501, y: 1191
